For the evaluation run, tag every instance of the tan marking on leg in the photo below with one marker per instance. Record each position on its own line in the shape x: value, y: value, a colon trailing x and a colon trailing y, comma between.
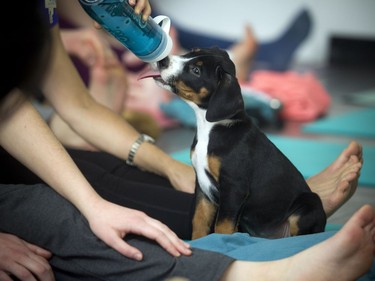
x: 214, y: 164
x: 293, y: 222
x: 226, y: 226
x: 203, y: 218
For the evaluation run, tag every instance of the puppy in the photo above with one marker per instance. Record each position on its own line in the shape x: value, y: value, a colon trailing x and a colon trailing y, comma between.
x: 244, y: 183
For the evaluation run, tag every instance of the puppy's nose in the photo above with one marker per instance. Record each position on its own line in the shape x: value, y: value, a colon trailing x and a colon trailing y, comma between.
x: 163, y: 63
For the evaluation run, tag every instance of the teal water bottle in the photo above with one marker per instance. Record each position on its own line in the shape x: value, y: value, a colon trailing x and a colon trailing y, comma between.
x: 148, y: 40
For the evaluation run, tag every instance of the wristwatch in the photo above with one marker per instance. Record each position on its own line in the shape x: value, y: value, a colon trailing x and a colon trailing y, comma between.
x: 133, y: 150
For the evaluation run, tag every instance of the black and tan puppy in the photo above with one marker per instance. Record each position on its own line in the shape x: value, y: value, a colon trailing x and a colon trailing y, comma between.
x: 244, y: 183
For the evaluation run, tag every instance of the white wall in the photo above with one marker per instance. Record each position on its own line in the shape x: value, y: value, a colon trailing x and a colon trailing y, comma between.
x: 269, y: 18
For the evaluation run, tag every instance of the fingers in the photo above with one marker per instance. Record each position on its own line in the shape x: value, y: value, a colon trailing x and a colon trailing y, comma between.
x: 23, y: 260
x: 143, y: 225
x: 141, y: 7
x: 18, y: 271
x: 97, y: 25
x: 165, y: 237
x: 4, y: 276
x: 39, y: 251
x: 171, y: 243
x: 125, y: 249
x: 32, y: 267
x: 114, y: 222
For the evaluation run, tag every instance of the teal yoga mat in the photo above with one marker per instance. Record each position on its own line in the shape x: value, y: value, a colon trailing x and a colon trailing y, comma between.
x: 358, y: 123
x: 311, y: 156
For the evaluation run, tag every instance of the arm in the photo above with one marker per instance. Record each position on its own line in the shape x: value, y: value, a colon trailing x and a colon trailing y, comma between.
x: 101, y: 127
x: 25, y: 135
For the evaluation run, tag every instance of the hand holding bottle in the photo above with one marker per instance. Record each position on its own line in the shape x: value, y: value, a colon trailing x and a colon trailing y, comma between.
x: 147, y: 39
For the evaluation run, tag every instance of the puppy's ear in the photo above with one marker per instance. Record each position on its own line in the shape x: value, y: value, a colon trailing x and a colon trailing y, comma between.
x: 227, y: 100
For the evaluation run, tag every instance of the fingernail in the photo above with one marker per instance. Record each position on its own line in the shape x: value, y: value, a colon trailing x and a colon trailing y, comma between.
x: 138, y: 257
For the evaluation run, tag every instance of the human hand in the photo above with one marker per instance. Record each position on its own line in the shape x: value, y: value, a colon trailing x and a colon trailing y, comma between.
x: 23, y: 260
x: 181, y: 176
x: 141, y: 7
x: 111, y: 223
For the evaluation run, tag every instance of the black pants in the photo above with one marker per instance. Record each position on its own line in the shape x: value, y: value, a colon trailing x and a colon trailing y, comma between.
x: 34, y: 212
x: 119, y: 183
x: 37, y: 214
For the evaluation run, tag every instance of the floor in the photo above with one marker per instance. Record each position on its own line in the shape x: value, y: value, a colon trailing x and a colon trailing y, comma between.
x: 339, y: 81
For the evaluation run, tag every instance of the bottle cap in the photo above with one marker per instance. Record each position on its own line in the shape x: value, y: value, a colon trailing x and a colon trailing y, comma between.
x: 166, y: 45
x: 166, y: 51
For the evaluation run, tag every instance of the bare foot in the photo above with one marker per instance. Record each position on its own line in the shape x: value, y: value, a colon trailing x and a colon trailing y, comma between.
x: 243, y: 53
x: 345, y: 256
x: 338, y: 182
x: 109, y: 86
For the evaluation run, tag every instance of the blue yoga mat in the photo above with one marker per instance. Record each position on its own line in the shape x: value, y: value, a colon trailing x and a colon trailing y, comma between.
x: 311, y: 156
x: 358, y: 123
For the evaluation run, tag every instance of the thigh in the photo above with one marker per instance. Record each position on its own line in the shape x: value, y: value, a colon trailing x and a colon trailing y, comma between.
x: 173, y: 208
x: 120, y: 184
x: 39, y: 215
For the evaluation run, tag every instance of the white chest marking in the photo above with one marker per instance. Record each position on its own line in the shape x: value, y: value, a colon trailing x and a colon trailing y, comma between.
x: 199, y: 157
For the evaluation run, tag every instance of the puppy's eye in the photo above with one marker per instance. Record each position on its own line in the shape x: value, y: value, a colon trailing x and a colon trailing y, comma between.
x: 195, y: 70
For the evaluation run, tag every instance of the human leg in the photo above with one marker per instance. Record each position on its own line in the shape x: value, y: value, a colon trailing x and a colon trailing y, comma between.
x: 242, y: 54
x: 273, y: 55
x: 120, y: 184
x: 39, y: 215
x: 334, y: 185
x: 278, y: 53
x: 345, y: 256
x: 172, y: 207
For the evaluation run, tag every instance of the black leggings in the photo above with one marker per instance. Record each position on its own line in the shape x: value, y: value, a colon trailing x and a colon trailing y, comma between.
x: 121, y: 184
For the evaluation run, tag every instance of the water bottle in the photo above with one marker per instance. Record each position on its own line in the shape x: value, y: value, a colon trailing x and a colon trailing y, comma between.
x: 148, y: 40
